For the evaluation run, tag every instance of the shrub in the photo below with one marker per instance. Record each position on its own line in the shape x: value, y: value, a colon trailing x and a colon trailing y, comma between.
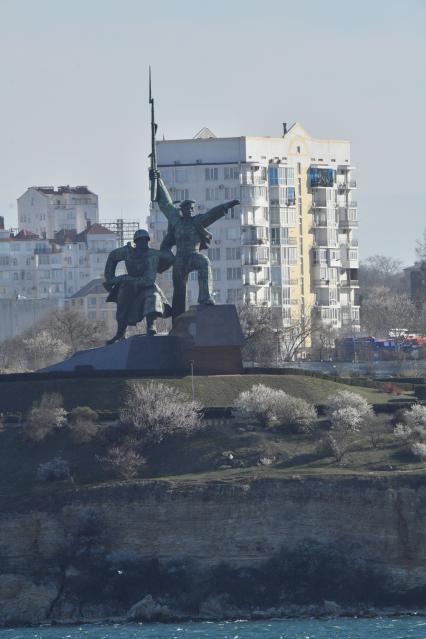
x: 418, y: 450
x: 83, y: 431
x: 346, y: 419
x: 258, y: 404
x: 44, y: 417
x: 83, y: 424
x: 123, y: 460
x: 345, y: 422
x: 83, y: 412
x: 413, y: 426
x: 347, y: 399
x: 295, y: 413
x: 55, y: 470
x: 157, y: 411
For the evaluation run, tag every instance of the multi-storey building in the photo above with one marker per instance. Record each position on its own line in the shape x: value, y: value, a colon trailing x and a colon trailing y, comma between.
x: 91, y: 302
x: 44, y: 210
x: 37, y: 268
x: 289, y: 244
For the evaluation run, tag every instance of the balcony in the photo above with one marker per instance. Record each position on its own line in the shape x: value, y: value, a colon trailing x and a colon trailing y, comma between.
x: 255, y: 261
x: 348, y: 218
x: 250, y: 240
x: 257, y: 283
x: 345, y: 186
x: 289, y: 241
x: 350, y: 258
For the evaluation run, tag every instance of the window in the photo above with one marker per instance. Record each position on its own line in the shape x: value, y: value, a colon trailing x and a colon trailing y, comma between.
x: 181, y: 175
x: 276, y: 275
x: 44, y: 259
x: 320, y: 177
x: 212, y: 173
x: 193, y: 276
x: 233, y: 253
x: 91, y: 315
x: 213, y: 194
x: 214, y: 254
x: 231, y: 173
x: 281, y: 175
x: 4, y: 261
x: 233, y: 273
x: 179, y: 194
x: 232, y: 234
x: 276, y: 296
x: 233, y: 295
x: 231, y: 192
x: 286, y: 291
x: 216, y: 274
x: 275, y: 256
x: 289, y: 255
x: 92, y: 301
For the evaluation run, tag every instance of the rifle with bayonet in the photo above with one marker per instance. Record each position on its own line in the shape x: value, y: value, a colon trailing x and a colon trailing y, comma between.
x: 153, y: 154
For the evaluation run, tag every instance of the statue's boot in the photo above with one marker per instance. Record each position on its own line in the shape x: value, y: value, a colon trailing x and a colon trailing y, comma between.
x: 150, y: 326
x: 120, y: 334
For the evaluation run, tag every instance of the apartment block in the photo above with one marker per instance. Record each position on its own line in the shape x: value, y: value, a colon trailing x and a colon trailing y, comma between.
x: 32, y: 267
x: 46, y: 210
x: 289, y: 245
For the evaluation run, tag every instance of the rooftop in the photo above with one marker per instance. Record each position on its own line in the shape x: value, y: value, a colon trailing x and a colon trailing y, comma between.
x: 94, y: 287
x: 76, y: 190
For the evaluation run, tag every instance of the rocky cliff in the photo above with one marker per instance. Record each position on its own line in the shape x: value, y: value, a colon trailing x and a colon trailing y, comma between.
x: 342, y: 530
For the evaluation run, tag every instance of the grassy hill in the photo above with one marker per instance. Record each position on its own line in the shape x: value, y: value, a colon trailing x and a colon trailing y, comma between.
x: 107, y: 393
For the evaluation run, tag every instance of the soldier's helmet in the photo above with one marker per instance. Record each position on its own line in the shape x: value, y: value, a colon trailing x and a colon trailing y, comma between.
x: 141, y: 233
x: 186, y: 204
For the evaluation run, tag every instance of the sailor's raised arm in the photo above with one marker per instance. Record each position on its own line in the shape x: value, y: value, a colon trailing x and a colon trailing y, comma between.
x: 217, y: 212
x: 164, y: 199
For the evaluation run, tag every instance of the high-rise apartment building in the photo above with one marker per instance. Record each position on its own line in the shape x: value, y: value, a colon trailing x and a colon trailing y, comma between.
x: 44, y: 210
x: 289, y: 244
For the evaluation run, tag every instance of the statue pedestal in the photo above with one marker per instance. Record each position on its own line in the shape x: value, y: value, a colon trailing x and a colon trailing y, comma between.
x: 208, y: 336
x: 213, y: 338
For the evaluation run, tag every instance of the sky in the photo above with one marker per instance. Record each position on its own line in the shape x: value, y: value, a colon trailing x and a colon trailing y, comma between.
x: 74, y: 94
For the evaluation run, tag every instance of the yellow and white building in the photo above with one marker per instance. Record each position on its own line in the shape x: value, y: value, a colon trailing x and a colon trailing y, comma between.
x: 289, y: 244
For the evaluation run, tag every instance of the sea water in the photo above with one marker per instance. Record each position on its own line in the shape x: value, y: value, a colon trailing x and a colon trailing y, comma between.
x: 383, y: 628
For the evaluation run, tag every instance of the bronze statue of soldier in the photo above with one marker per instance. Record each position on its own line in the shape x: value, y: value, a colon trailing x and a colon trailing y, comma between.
x: 189, y: 234
x: 136, y: 294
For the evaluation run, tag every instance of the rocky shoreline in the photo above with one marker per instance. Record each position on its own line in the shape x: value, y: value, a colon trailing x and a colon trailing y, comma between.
x: 214, y: 609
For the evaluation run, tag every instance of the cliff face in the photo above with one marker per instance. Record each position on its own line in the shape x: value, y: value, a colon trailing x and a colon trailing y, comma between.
x: 380, y: 523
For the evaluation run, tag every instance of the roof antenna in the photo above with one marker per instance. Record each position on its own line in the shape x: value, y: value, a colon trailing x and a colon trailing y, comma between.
x: 284, y: 128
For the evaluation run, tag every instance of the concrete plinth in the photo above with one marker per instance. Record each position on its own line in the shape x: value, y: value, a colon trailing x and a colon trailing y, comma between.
x: 208, y: 336
x: 161, y: 353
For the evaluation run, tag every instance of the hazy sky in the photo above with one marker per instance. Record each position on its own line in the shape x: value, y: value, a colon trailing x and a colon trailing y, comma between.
x: 73, y: 94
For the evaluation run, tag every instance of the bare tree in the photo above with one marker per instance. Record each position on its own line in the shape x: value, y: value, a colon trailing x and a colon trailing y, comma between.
x: 75, y: 330
x: 421, y: 246
x: 385, y: 314
x: 380, y: 271
x: 294, y: 338
x: 260, y: 341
